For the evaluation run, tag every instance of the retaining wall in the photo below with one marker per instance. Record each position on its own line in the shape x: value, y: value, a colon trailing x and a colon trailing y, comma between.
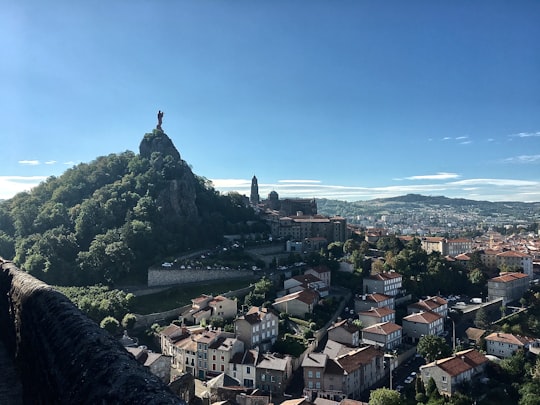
x: 159, y: 277
x: 63, y: 357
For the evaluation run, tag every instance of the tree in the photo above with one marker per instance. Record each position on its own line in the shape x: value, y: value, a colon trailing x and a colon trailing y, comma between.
x: 335, y: 249
x: 433, y: 347
x: 128, y: 321
x: 384, y: 396
x: 110, y: 324
x: 481, y: 319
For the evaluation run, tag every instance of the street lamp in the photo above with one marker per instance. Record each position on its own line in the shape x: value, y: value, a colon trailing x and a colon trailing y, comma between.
x: 453, y: 335
x: 393, y: 356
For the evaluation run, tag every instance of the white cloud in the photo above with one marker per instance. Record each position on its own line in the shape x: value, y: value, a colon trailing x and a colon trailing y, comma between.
x: 29, y: 162
x: 299, y: 181
x: 494, y: 182
x: 446, y: 138
x: 11, y: 185
x: 523, y: 159
x: 70, y: 163
x: 461, y: 137
x: 50, y: 162
x: 525, y: 134
x: 438, y: 176
x: 477, y: 189
x: 465, y: 142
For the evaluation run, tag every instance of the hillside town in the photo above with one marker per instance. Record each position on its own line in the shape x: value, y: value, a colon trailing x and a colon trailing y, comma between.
x: 373, y: 337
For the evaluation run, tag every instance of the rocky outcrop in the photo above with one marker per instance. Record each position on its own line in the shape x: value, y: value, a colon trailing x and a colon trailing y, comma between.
x: 158, y: 141
x: 61, y: 356
x: 178, y: 199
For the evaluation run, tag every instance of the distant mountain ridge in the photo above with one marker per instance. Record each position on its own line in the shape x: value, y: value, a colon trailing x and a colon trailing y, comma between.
x: 416, y: 203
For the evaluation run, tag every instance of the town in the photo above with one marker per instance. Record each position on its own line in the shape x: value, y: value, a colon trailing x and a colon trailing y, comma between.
x: 362, y: 321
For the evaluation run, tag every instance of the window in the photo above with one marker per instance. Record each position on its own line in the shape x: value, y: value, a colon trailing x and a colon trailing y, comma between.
x: 310, y: 374
x: 310, y: 384
x: 318, y: 374
x: 263, y: 377
x: 222, y: 367
x: 443, y: 378
x: 248, y: 370
x: 318, y: 385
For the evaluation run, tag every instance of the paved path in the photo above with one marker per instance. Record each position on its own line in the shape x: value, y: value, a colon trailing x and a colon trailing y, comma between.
x: 10, y: 386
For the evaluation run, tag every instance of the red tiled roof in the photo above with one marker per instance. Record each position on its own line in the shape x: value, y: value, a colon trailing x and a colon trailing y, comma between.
x: 512, y: 253
x: 461, y: 362
x: 507, y: 338
x: 423, y: 317
x: 378, y: 312
x: 508, y: 277
x: 354, y: 359
x: 386, y: 275
x: 383, y: 328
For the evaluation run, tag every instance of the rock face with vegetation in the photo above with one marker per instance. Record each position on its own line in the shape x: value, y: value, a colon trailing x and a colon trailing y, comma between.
x: 108, y: 220
x: 177, y: 197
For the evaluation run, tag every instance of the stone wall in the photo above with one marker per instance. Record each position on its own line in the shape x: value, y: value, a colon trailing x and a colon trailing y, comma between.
x: 63, y: 357
x: 157, y: 277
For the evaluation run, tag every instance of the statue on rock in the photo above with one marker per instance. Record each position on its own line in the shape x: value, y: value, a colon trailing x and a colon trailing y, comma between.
x: 159, y: 119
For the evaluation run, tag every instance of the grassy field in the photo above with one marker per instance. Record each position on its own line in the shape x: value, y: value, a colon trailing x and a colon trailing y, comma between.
x: 182, y: 295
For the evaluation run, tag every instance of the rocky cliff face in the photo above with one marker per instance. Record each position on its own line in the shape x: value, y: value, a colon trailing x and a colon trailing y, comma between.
x: 179, y: 198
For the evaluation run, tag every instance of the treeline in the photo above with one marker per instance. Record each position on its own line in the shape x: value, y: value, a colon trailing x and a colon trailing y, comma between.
x: 105, y: 221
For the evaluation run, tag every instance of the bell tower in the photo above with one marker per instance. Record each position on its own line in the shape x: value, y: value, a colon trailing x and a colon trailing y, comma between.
x: 254, y: 196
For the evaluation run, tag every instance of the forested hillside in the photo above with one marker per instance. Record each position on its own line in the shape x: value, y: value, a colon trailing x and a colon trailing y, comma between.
x: 109, y: 219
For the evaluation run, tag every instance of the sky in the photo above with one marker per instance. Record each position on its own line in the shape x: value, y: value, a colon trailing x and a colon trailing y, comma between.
x: 348, y: 100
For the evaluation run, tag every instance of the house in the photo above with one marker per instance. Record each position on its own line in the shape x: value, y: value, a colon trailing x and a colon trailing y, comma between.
x: 306, y: 281
x: 169, y: 336
x: 243, y: 367
x: 258, y: 327
x: 221, y: 352
x: 421, y: 324
x: 274, y: 371
x: 158, y: 364
x: 223, y: 307
x: 345, y: 376
x: 450, y: 372
x: 387, y: 335
x: 345, y: 332
x: 474, y: 335
x: 208, y: 306
x: 208, y: 347
x: 455, y: 247
x: 366, y: 302
x: 322, y: 273
x: 433, y: 244
x: 313, y: 369
x: 505, y: 344
x: 297, y: 304
x: 434, y: 304
x: 508, y: 286
x: 516, y: 260
x: 387, y: 283
x: 376, y: 315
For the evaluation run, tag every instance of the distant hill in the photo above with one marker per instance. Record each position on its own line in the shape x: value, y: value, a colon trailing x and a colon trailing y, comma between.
x: 109, y: 219
x: 416, y: 203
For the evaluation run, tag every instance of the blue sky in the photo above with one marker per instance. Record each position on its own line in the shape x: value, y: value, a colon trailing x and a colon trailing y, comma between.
x: 349, y: 100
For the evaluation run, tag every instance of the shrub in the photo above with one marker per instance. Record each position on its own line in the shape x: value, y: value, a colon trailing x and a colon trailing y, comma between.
x: 110, y: 324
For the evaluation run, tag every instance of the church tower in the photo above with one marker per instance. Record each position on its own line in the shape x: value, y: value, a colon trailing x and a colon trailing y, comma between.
x: 254, y: 196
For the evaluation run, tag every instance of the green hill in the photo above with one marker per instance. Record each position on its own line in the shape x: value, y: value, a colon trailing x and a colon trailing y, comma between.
x: 108, y: 220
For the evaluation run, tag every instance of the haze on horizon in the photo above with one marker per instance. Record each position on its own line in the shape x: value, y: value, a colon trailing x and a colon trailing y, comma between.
x: 355, y: 102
